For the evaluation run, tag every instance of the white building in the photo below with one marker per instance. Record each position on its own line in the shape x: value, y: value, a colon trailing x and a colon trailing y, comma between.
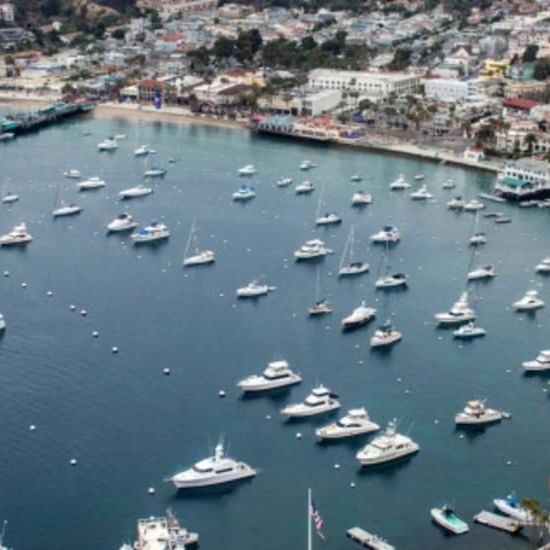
x: 7, y: 13
x: 373, y: 85
x: 474, y: 154
x: 524, y: 179
x: 451, y: 89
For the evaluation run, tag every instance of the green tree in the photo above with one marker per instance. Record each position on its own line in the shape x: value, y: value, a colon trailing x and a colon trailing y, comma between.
x: 223, y: 47
x: 154, y: 20
x: 118, y: 34
x: 530, y: 53
x: 530, y: 140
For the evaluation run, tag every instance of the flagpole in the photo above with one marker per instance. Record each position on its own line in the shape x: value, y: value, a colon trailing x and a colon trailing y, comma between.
x: 309, y: 537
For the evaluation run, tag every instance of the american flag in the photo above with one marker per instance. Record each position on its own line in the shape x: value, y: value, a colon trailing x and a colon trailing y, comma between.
x: 317, y: 519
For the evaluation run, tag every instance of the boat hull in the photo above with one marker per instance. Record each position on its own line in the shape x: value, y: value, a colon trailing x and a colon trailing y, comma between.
x: 388, y: 458
x: 245, y: 473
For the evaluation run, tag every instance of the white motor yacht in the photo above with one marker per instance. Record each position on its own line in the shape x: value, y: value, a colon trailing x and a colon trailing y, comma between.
x: 91, y: 183
x: 360, y: 198
x: 356, y: 178
x: 142, y: 151
x: 475, y: 412
x: 386, y: 447
x: 460, y: 312
x: 315, y: 248
x: 512, y: 507
x: 284, y: 182
x: 478, y: 238
x: 67, y: 210
x: 9, y: 198
x: 135, y: 192
x: 321, y: 307
x: 162, y: 533
x: 544, y: 266
x: 108, y: 144
x: 391, y: 281
x: 389, y: 234
x: 469, y: 331
x: 253, y: 290
x: 123, y: 222
x: 17, y: 236
x: 307, y: 165
x: 385, y: 335
x: 473, y: 206
x: 202, y: 258
x: 248, y: 170
x: 354, y: 268
x: 399, y: 184
x: 482, y: 272
x: 359, y: 317
x: 529, y: 302
x: 355, y: 422
x: 244, y: 193
x: 277, y: 375
x: 448, y: 184
x: 75, y: 174
x: 541, y: 363
x: 320, y: 400
x: 155, y: 172
x: 421, y: 194
x: 304, y: 188
x: 155, y: 231
x: 213, y: 470
x: 456, y: 203
x: 2, y: 323
x: 328, y: 219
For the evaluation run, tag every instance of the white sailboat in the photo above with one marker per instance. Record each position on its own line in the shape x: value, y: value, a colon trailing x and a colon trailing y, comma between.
x: 329, y: 218
x: 61, y: 208
x: 351, y: 267
x: 321, y: 305
x: 199, y: 257
x: 7, y: 196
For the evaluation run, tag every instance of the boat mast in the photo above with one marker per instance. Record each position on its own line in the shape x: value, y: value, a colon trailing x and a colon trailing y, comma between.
x: 320, y: 203
x: 309, y: 534
x: 346, y: 246
x: 191, y: 233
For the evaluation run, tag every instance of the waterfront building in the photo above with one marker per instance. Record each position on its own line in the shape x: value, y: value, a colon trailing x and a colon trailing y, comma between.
x: 474, y: 154
x: 524, y: 179
x: 302, y: 103
x: 451, y: 89
x: 7, y: 13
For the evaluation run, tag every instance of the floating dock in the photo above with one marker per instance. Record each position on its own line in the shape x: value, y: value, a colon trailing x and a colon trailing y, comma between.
x: 498, y: 522
x: 368, y: 540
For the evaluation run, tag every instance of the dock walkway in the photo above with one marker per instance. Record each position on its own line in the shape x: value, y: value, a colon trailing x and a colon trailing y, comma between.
x: 364, y: 538
x: 498, y: 522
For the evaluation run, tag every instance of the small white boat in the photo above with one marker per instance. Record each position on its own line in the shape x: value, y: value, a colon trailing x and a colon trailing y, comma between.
x: 478, y: 238
x: 360, y: 198
x: 304, y: 188
x: 460, y: 312
x: 448, y: 184
x: 529, y: 302
x: 456, y: 203
x: 473, y: 206
x: 123, y: 222
x: 389, y: 234
x: 284, y: 182
x: 17, y: 236
x: 75, y: 174
x: 387, y: 447
x: 155, y: 231
x: 10, y: 198
x: 108, y: 144
x: 254, y: 289
x: 355, y: 422
x: 399, y: 184
x: 475, y: 412
x: 91, y: 183
x: 359, y: 317
x: 155, y: 172
x: 385, y: 335
x: 541, y: 363
x: 2, y: 323
x: 544, y: 266
x: 198, y: 257
x: 356, y: 178
x: 244, y: 193
x: 142, y: 151
x: 419, y: 177
x: 469, y: 331
x: 491, y: 197
x: 277, y: 375
x: 135, y: 192
x: 446, y: 518
x: 247, y: 170
x: 354, y: 268
x: 421, y: 194
x: 155, y: 533
x: 328, y: 219
x: 315, y: 248
x: 6, y: 136
x: 307, y: 165
x: 391, y: 280
x: 512, y: 507
x: 120, y: 137
x: 482, y: 272
x: 67, y: 210
x: 320, y: 400
x: 321, y: 307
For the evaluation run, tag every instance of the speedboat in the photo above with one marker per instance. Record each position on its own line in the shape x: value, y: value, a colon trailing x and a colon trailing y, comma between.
x: 315, y: 248
x: 475, y: 412
x: 284, y: 182
x: 91, y: 183
x: 359, y: 317
x: 354, y: 268
x: 355, y: 422
x: 541, y: 363
x: 399, y: 184
x: 108, y: 144
x: 482, y: 272
x: 446, y: 517
x: 385, y: 335
x: 254, y: 289
x: 529, y: 302
x: 328, y: 219
x: 202, y: 258
x: 135, y: 192
x: 213, y: 470
x: 322, y: 307
x: 304, y: 188
x: 123, y: 222
x: 2, y: 323
x: 155, y: 231
x: 119, y: 137
x: 386, y: 447
x: 155, y: 172
x: 162, y: 532
x: 360, y: 198
x: 503, y: 219
x: 244, y: 193
x: 473, y: 206
x: 17, y: 236
x: 391, y: 280
x: 421, y: 194
x: 389, y: 234
x: 544, y: 266
x: 478, y: 238
x: 449, y: 184
x: 468, y: 331
x: 320, y: 400
x: 457, y: 203
x: 512, y: 507
x: 307, y: 165
x: 247, y: 170
x: 142, y: 151
x: 277, y: 375
x: 419, y: 177
x: 460, y: 312
x: 9, y: 198
x: 72, y: 174
x: 67, y: 210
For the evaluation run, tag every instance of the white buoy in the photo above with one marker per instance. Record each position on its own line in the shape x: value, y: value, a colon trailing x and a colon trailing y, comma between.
x: 83, y: 312
x: 352, y: 485
x: 95, y: 334
x: 24, y: 285
x: 151, y: 490
x: 299, y: 435
x: 337, y: 466
x: 166, y: 371
x: 114, y: 349
x: 268, y: 417
x: 508, y: 463
x: 436, y: 421
x: 72, y: 307
x: 49, y: 293
x: 32, y: 427
x: 221, y: 393
x: 6, y: 273
x: 73, y: 462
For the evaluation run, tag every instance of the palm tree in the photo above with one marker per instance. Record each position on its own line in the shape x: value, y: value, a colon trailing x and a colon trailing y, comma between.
x: 530, y: 140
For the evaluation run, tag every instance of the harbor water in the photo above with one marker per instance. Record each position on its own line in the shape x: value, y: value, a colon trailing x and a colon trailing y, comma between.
x: 129, y: 426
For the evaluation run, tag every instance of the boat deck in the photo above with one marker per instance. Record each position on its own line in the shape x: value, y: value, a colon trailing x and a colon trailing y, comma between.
x: 364, y: 538
x: 497, y: 522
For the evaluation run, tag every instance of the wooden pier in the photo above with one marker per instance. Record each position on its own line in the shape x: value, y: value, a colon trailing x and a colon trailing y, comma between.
x: 498, y: 522
x: 368, y: 540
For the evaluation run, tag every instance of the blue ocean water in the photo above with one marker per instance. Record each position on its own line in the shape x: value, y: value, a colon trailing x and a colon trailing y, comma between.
x: 130, y: 426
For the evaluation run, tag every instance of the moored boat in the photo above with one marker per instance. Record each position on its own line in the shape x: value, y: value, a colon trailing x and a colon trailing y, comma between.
x: 446, y: 518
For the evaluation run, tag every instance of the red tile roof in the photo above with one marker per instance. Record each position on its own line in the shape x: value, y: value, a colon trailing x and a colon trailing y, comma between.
x: 172, y: 37
x: 519, y: 103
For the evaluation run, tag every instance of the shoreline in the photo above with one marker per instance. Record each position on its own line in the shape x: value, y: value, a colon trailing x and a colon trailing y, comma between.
x: 179, y: 115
